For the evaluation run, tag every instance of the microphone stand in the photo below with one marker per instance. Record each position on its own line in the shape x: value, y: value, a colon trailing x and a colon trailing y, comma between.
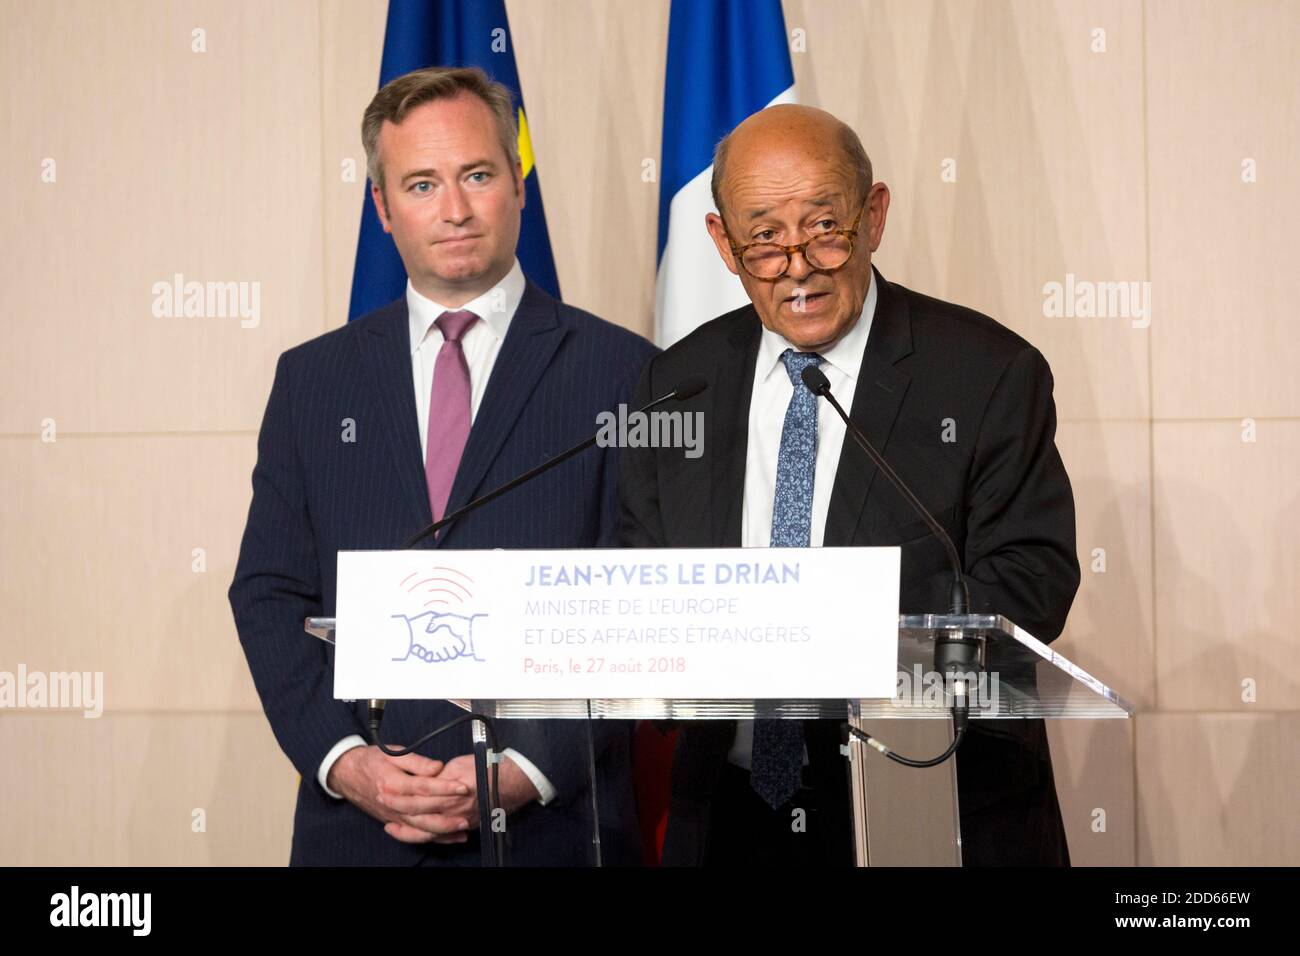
x: 954, y: 652
x: 484, y: 735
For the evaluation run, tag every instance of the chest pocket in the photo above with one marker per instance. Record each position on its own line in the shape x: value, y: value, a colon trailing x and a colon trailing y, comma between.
x: 905, y: 532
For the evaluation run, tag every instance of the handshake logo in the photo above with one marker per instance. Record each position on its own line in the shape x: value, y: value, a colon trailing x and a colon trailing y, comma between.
x: 436, y: 637
x: 436, y: 633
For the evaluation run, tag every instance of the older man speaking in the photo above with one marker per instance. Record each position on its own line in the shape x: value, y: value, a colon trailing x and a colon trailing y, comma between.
x: 960, y: 406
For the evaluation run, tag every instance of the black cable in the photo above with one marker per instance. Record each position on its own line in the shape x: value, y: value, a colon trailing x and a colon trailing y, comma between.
x: 490, y: 733
x: 960, y: 713
x: 403, y: 751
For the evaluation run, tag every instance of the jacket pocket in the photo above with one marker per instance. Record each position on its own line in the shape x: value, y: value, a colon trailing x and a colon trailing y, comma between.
x: 906, y: 531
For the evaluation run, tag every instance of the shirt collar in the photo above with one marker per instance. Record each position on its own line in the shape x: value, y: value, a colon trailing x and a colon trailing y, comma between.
x: 496, y: 307
x: 845, y: 356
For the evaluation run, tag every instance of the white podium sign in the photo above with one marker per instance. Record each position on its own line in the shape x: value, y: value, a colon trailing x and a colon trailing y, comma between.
x: 571, y: 624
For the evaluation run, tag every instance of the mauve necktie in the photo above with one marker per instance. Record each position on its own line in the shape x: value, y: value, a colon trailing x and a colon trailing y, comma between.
x: 776, y: 761
x: 448, y: 411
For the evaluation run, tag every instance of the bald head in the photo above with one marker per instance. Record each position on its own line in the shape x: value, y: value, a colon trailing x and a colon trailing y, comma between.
x: 793, y: 183
x: 804, y: 133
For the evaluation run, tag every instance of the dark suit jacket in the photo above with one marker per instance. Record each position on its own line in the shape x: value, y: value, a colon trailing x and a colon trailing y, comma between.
x: 999, y: 489
x: 315, y: 494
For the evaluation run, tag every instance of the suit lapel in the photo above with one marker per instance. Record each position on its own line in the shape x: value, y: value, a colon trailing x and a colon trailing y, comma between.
x: 876, y: 401
x: 732, y: 387
x: 385, y: 345
x: 534, y: 335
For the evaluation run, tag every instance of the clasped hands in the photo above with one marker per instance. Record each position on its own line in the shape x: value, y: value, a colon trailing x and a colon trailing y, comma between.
x: 420, y: 800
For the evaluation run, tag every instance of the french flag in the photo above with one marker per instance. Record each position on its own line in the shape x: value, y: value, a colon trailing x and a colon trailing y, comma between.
x: 727, y: 59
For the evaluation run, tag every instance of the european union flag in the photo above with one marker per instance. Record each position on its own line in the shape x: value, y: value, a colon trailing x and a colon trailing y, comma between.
x: 422, y: 33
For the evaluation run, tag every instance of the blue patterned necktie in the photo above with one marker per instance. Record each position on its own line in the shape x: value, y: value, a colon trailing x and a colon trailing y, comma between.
x: 776, y: 763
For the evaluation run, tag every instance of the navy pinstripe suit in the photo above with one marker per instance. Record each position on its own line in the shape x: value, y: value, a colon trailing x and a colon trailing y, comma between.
x: 315, y: 494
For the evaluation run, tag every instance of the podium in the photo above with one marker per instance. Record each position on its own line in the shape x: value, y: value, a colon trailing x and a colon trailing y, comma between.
x: 901, y: 816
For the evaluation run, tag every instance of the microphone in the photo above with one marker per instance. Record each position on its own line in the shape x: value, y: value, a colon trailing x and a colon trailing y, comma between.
x: 684, y: 390
x: 815, y: 381
x: 688, y: 388
x: 952, y: 652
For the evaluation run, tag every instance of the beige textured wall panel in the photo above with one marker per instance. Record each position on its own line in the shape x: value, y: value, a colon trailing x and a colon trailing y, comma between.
x: 1224, y: 84
x: 593, y: 78
x: 1227, y: 565
x: 122, y: 791
x: 1109, y: 632
x: 96, y: 571
x: 1046, y: 137
x: 1218, y: 789
x: 167, y: 162
x: 1092, y: 761
x: 352, y: 45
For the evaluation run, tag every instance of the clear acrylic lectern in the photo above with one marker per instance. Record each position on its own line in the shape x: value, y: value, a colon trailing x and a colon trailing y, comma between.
x: 901, y: 816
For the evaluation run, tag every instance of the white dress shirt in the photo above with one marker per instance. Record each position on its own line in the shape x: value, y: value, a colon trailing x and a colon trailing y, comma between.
x: 480, y: 343
x: 768, y: 402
